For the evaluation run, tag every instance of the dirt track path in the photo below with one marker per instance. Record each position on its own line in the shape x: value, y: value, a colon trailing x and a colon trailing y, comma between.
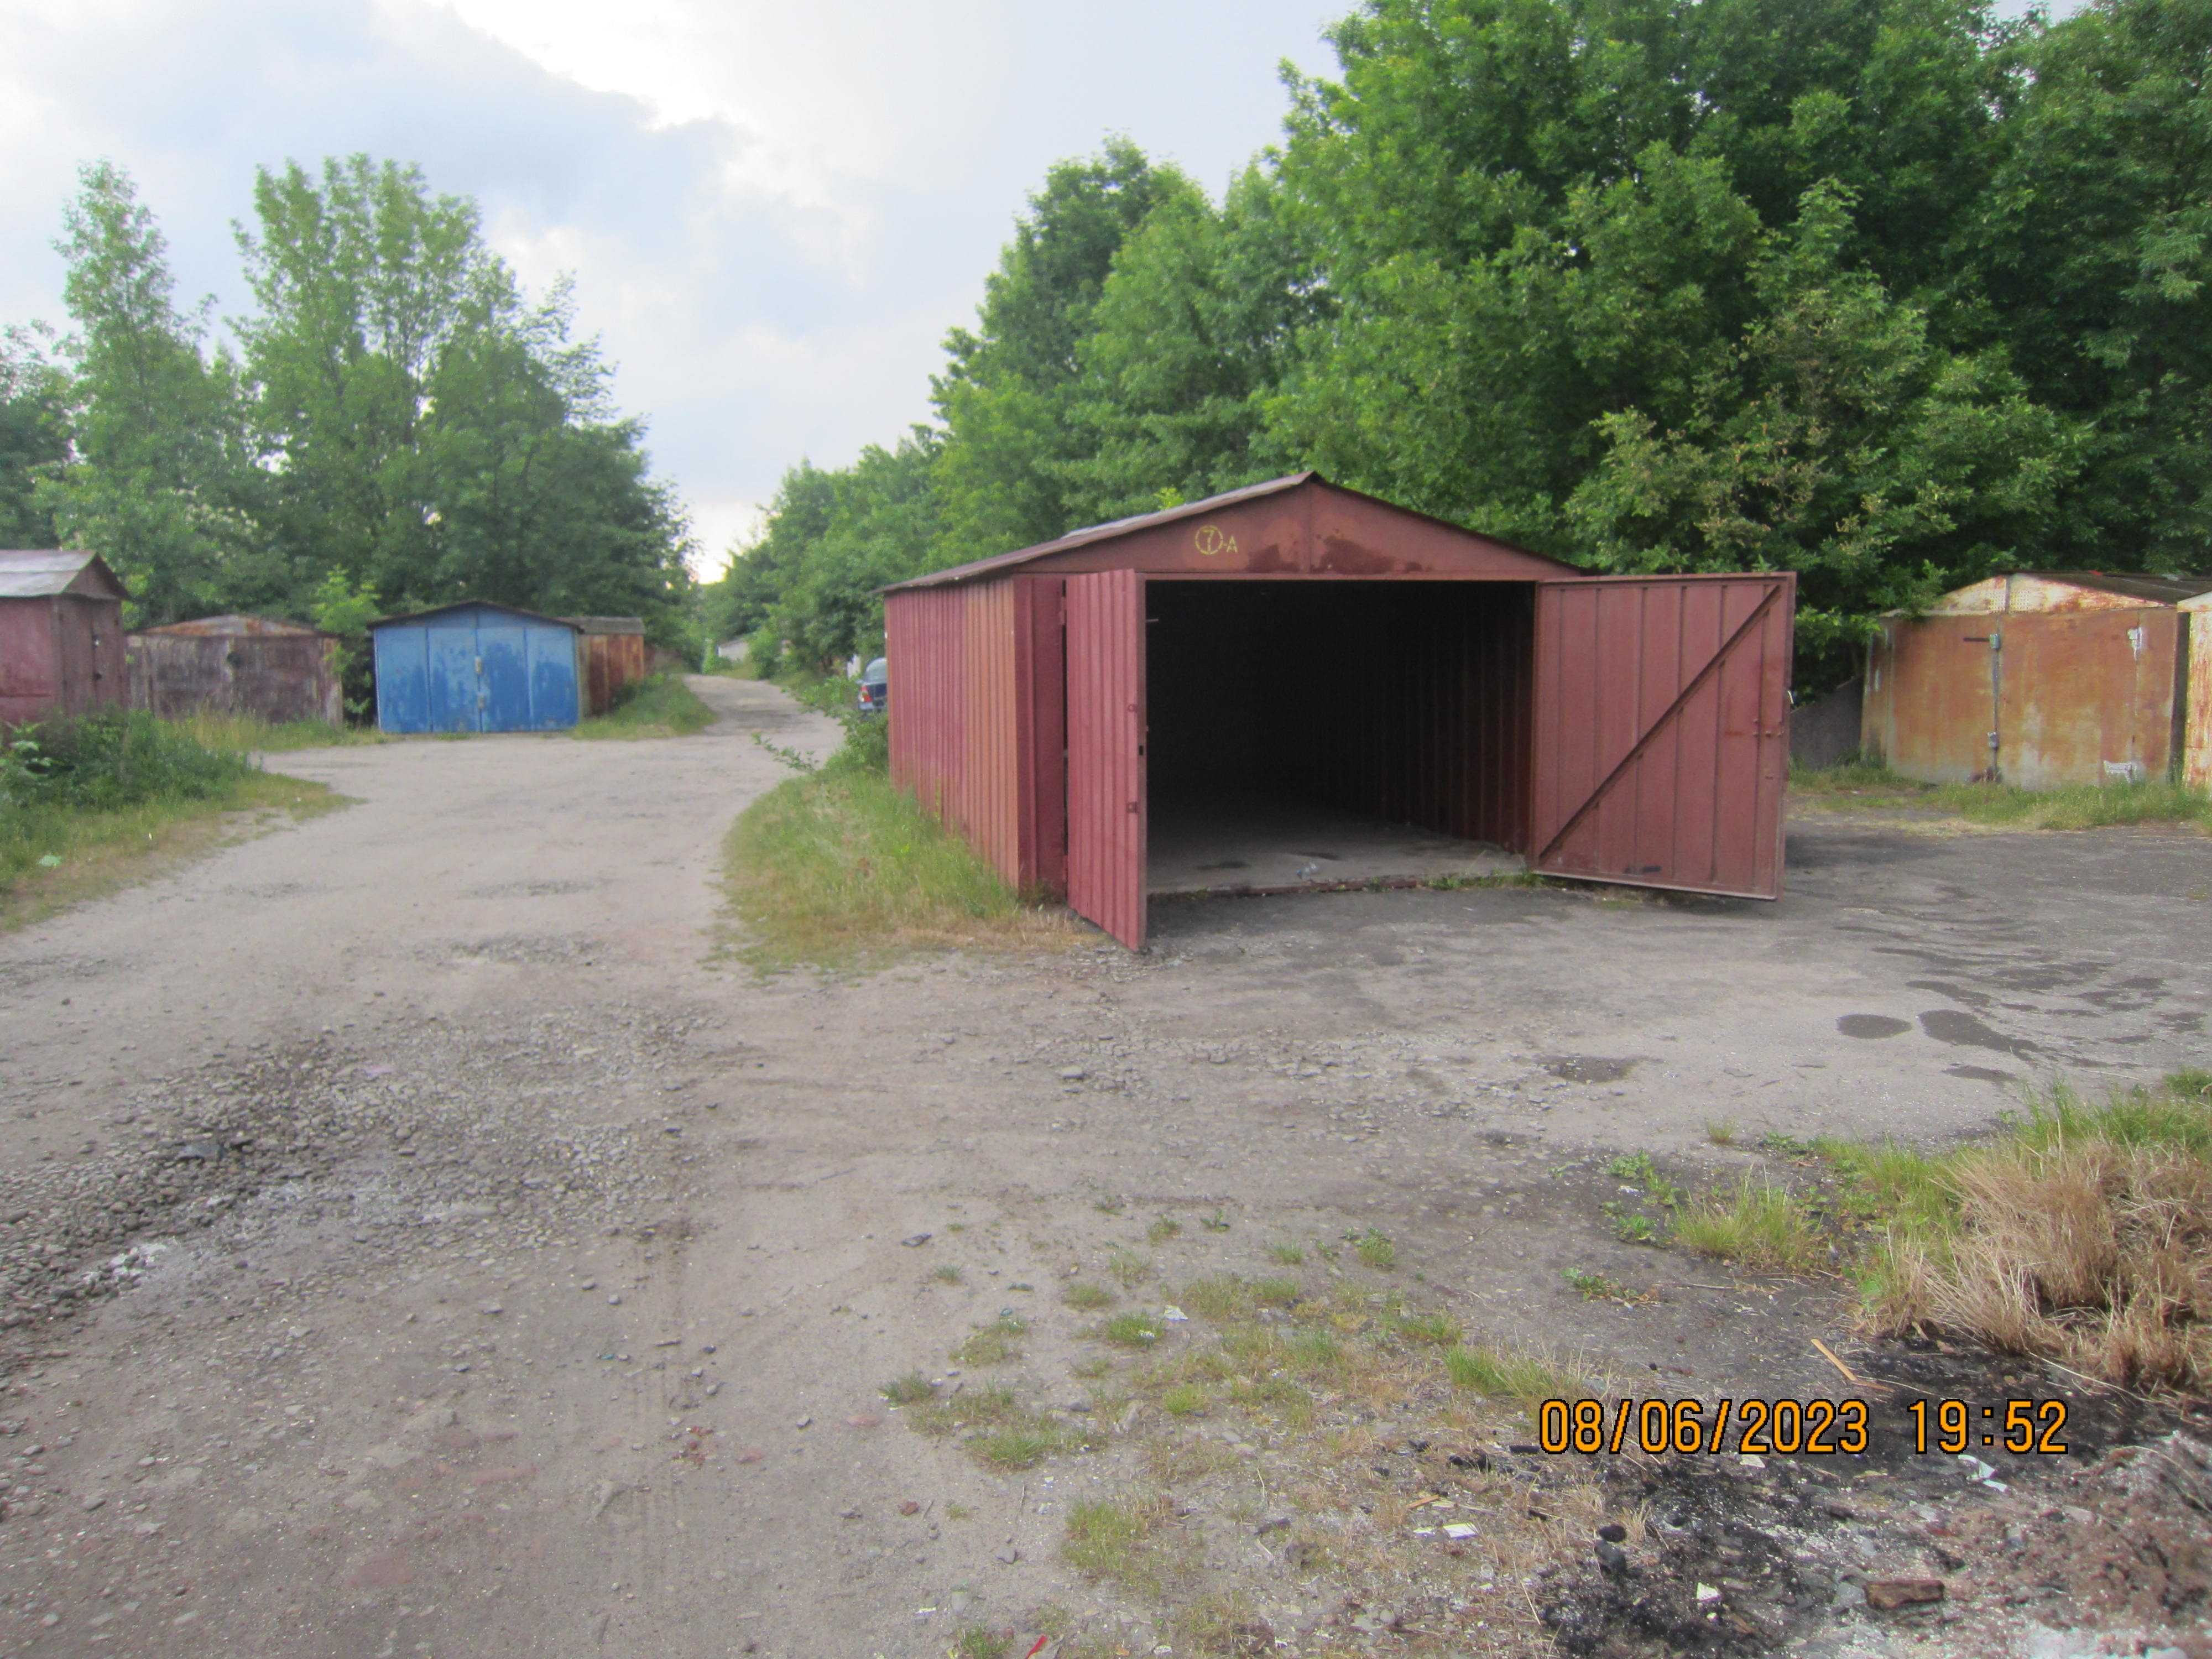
x: 499, y: 1275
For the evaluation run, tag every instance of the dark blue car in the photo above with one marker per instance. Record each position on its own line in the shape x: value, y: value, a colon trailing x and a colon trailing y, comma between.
x: 875, y: 688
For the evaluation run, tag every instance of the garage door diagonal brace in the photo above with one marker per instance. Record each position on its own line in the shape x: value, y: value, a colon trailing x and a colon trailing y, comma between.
x: 1711, y: 667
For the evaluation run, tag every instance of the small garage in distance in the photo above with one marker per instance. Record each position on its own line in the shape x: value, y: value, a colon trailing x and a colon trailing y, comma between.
x: 61, y: 635
x: 1232, y: 684
x: 2042, y: 679
x: 610, y: 655
x: 275, y: 670
x: 476, y: 666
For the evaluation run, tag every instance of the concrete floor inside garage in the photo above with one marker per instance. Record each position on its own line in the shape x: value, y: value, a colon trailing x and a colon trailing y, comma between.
x: 1243, y: 841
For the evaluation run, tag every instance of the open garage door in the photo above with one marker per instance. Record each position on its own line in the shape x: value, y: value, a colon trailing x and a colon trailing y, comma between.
x: 1661, y: 743
x: 1106, y: 805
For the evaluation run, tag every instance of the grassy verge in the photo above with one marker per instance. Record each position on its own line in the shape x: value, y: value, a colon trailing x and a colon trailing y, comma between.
x: 251, y: 734
x: 2079, y: 1233
x: 838, y: 868
x: 661, y: 706
x: 89, y: 804
x: 2001, y: 806
x: 98, y: 851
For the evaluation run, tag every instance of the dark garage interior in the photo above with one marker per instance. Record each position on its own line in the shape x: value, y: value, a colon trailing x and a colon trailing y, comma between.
x: 1307, y: 732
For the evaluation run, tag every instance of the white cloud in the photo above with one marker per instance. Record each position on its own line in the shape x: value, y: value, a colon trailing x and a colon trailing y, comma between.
x: 773, y: 212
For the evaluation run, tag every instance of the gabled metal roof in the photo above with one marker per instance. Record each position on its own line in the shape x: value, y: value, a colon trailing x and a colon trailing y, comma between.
x: 1117, y: 527
x: 2159, y: 590
x: 466, y: 604
x: 42, y: 572
x: 235, y: 624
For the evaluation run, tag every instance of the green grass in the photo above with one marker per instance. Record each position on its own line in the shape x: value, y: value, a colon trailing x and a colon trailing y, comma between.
x: 995, y: 1343
x: 1016, y: 1448
x: 1639, y: 1169
x: 1514, y: 1374
x: 1375, y: 1250
x: 1997, y: 805
x: 908, y: 1391
x: 93, y: 804
x: 1113, y: 1540
x: 1086, y: 1296
x: 1756, y: 1224
x: 975, y: 1642
x: 250, y: 733
x: 1290, y: 1255
x: 659, y: 706
x: 945, y: 1273
x: 1184, y: 1399
x: 838, y: 868
x: 1162, y: 1230
x: 1130, y: 1330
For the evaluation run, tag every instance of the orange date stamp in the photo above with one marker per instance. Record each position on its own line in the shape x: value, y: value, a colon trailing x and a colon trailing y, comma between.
x: 1791, y: 1426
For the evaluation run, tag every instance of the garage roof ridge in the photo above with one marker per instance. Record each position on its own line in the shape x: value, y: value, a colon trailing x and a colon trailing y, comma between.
x: 40, y: 572
x: 464, y: 604
x: 1115, y: 528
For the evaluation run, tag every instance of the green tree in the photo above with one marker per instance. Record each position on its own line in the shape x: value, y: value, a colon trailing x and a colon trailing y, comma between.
x: 164, y: 478
x: 2096, y: 245
x: 1837, y: 440
x: 1187, y: 338
x: 34, y: 436
x: 442, y: 439
x: 1008, y: 391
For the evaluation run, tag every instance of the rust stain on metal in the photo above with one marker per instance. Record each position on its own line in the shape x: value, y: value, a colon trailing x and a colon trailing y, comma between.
x: 2040, y: 681
x: 2197, y: 698
x: 275, y: 670
x: 610, y: 654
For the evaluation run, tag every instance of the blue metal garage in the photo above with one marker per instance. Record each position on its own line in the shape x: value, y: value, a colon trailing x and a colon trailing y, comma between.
x: 475, y: 666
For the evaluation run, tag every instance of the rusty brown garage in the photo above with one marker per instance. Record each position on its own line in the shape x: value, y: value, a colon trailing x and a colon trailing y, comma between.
x: 266, y: 667
x: 2040, y: 679
x: 1299, y: 641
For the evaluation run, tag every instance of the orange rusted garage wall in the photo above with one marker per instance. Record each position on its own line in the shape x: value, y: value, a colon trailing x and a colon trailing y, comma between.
x: 2196, y: 693
x: 2071, y: 697
x: 951, y: 657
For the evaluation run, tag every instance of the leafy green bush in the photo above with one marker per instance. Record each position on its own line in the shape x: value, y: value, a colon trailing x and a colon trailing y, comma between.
x: 111, y: 759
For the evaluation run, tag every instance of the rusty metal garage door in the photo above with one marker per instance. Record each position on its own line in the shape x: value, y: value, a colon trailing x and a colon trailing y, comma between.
x: 1662, y: 731
x: 1106, y: 803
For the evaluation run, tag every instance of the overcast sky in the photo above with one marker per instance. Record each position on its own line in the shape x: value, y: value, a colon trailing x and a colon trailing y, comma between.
x: 774, y: 211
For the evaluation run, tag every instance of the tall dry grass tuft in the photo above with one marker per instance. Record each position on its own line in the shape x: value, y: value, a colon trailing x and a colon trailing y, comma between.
x: 2084, y: 1236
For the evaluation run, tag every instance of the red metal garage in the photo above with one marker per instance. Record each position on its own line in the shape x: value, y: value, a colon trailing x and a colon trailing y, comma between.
x: 61, y: 635
x: 1297, y: 641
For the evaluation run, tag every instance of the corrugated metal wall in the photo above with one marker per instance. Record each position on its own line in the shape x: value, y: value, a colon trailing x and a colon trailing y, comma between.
x: 954, y: 700
x: 609, y: 662
x: 278, y: 677
x: 1106, y: 771
x: 1662, y: 745
x: 2196, y: 694
x: 28, y: 689
x: 2071, y: 697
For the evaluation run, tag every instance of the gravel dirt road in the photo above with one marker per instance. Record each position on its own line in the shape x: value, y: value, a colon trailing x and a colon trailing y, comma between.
x: 416, y: 1238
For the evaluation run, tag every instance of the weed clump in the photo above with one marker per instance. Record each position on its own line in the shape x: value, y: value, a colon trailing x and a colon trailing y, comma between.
x: 1130, y: 1330
x: 995, y: 1343
x: 1759, y: 1224
x: 2083, y: 1234
x: 908, y: 1389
